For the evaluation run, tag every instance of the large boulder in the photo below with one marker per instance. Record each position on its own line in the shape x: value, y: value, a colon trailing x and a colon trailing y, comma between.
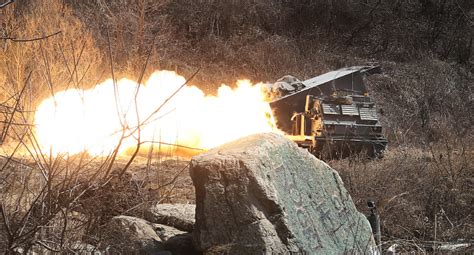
x: 264, y: 195
x: 180, y: 216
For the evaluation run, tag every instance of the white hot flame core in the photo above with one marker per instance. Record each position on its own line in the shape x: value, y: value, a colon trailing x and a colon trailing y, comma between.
x: 93, y: 120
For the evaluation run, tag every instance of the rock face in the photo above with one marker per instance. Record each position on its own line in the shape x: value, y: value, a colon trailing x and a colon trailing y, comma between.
x: 264, y: 195
x: 180, y: 216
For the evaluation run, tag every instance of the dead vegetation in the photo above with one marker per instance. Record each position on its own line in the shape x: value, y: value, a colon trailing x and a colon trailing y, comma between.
x: 423, y: 185
x: 422, y: 194
x: 56, y: 202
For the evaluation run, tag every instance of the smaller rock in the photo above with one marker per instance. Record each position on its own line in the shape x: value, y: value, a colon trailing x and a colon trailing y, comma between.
x: 452, y: 247
x: 392, y: 250
x: 163, y: 253
x: 181, y: 244
x: 175, y: 240
x: 130, y: 235
x: 180, y: 216
x: 84, y: 248
x: 166, y: 232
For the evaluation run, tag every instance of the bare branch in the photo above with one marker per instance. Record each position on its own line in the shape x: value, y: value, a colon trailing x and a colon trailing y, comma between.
x: 6, y: 3
x: 139, y: 82
x: 6, y: 223
x: 14, y: 39
x: 16, y: 123
x: 47, y: 247
x: 172, y: 181
x: 169, y: 98
x: 17, y: 104
x: 173, y: 144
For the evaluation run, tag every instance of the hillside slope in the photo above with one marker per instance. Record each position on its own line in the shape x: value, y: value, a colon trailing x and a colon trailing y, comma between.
x: 425, y: 182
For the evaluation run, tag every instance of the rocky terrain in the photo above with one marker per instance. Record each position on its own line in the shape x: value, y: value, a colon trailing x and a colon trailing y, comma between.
x: 258, y: 195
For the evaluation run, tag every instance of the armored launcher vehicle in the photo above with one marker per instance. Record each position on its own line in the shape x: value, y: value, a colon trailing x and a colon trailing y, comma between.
x: 332, y: 115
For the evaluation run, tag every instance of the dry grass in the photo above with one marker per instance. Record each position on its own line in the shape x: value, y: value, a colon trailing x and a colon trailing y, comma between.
x: 68, y: 59
x: 422, y: 194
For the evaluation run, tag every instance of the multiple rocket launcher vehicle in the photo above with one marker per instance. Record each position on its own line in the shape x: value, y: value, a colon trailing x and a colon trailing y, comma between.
x: 332, y: 115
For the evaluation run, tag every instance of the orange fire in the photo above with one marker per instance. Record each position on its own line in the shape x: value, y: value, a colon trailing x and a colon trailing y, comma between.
x: 95, y: 120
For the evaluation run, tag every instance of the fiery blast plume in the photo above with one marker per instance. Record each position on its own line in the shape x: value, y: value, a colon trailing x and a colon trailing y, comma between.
x: 94, y: 120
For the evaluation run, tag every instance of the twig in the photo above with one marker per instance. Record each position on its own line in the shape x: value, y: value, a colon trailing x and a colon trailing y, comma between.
x: 132, y: 208
x: 14, y: 39
x: 6, y: 223
x: 170, y: 97
x: 17, y: 105
x: 47, y: 247
x: 6, y: 3
x: 172, y: 181
x: 16, y: 124
x: 174, y: 144
x: 139, y: 81
x: 118, y: 108
x: 366, y: 24
x: 114, y: 81
x: 10, y: 158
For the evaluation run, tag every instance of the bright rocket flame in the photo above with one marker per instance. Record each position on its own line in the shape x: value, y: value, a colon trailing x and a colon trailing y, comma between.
x: 92, y: 120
